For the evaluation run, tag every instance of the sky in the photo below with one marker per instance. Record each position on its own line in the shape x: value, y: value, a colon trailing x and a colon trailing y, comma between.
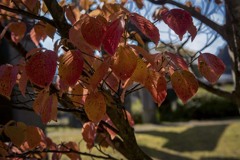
x: 214, y: 12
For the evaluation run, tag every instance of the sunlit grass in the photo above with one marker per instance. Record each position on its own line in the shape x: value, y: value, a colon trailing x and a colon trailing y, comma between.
x: 179, y: 142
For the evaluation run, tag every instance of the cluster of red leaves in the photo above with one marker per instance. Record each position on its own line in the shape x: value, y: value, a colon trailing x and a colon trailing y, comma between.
x: 29, y: 138
x: 120, y: 65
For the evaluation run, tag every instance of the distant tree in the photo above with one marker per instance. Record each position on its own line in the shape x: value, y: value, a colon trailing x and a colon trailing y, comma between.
x: 100, y: 53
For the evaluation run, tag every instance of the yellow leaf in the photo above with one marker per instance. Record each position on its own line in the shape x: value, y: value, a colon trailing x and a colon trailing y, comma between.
x: 16, y: 133
x: 95, y: 106
x: 124, y: 63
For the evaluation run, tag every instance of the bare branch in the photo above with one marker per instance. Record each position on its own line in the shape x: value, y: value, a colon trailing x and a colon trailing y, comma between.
x: 216, y: 91
x: 32, y: 152
x: 27, y: 14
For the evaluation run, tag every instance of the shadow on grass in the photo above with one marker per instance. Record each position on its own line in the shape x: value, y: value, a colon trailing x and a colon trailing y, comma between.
x: 162, y: 155
x: 217, y: 158
x: 197, y: 138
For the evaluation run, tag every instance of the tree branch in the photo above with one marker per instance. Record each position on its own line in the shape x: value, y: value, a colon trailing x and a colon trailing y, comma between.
x: 58, y: 16
x: 215, y: 91
x: 32, y: 152
x: 27, y: 14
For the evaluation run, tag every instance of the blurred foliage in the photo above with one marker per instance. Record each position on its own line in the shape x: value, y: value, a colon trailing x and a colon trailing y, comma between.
x: 203, y: 105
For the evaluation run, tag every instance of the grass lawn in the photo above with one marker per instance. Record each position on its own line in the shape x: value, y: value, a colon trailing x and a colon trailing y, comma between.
x: 188, y: 141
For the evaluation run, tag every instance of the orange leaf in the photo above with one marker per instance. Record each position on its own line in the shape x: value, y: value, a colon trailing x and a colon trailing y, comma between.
x: 50, y: 30
x: 139, y: 3
x: 157, y: 86
x: 85, y: 4
x: 93, y: 31
x: 78, y: 95
x: 146, y: 27
x: 155, y: 60
x: 124, y: 63
x: 72, y: 13
x: 211, y: 67
x: 95, y: 106
x: 18, y: 30
x: 113, y: 36
x: 70, y: 67
x: 99, y: 74
x: 33, y: 137
x: 45, y: 105
x: 77, y: 39
x: 19, y: 138
x: 41, y: 67
x: 140, y: 73
x: 8, y: 77
x: 38, y: 33
x: 184, y: 84
x: 180, y: 21
x: 89, y: 133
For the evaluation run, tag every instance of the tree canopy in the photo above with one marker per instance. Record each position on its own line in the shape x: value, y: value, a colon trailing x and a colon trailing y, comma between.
x: 101, y: 56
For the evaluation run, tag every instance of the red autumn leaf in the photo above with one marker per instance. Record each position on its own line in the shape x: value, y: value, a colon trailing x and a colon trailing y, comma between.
x: 45, y: 105
x: 110, y: 131
x: 146, y: 27
x: 99, y: 74
x: 95, y: 106
x: 8, y: 77
x: 157, y: 86
x: 89, y: 133
x: 176, y: 61
x: 38, y: 33
x: 77, y: 39
x: 41, y: 68
x: 210, y: 66
x: 180, y: 21
x: 18, y: 30
x: 161, y: 89
x: 112, y: 81
x: 30, y: 4
x: 93, y: 31
x: 113, y: 36
x: 70, y: 67
x: 184, y: 84
x: 129, y: 118
x: 33, y: 137
x: 124, y: 63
